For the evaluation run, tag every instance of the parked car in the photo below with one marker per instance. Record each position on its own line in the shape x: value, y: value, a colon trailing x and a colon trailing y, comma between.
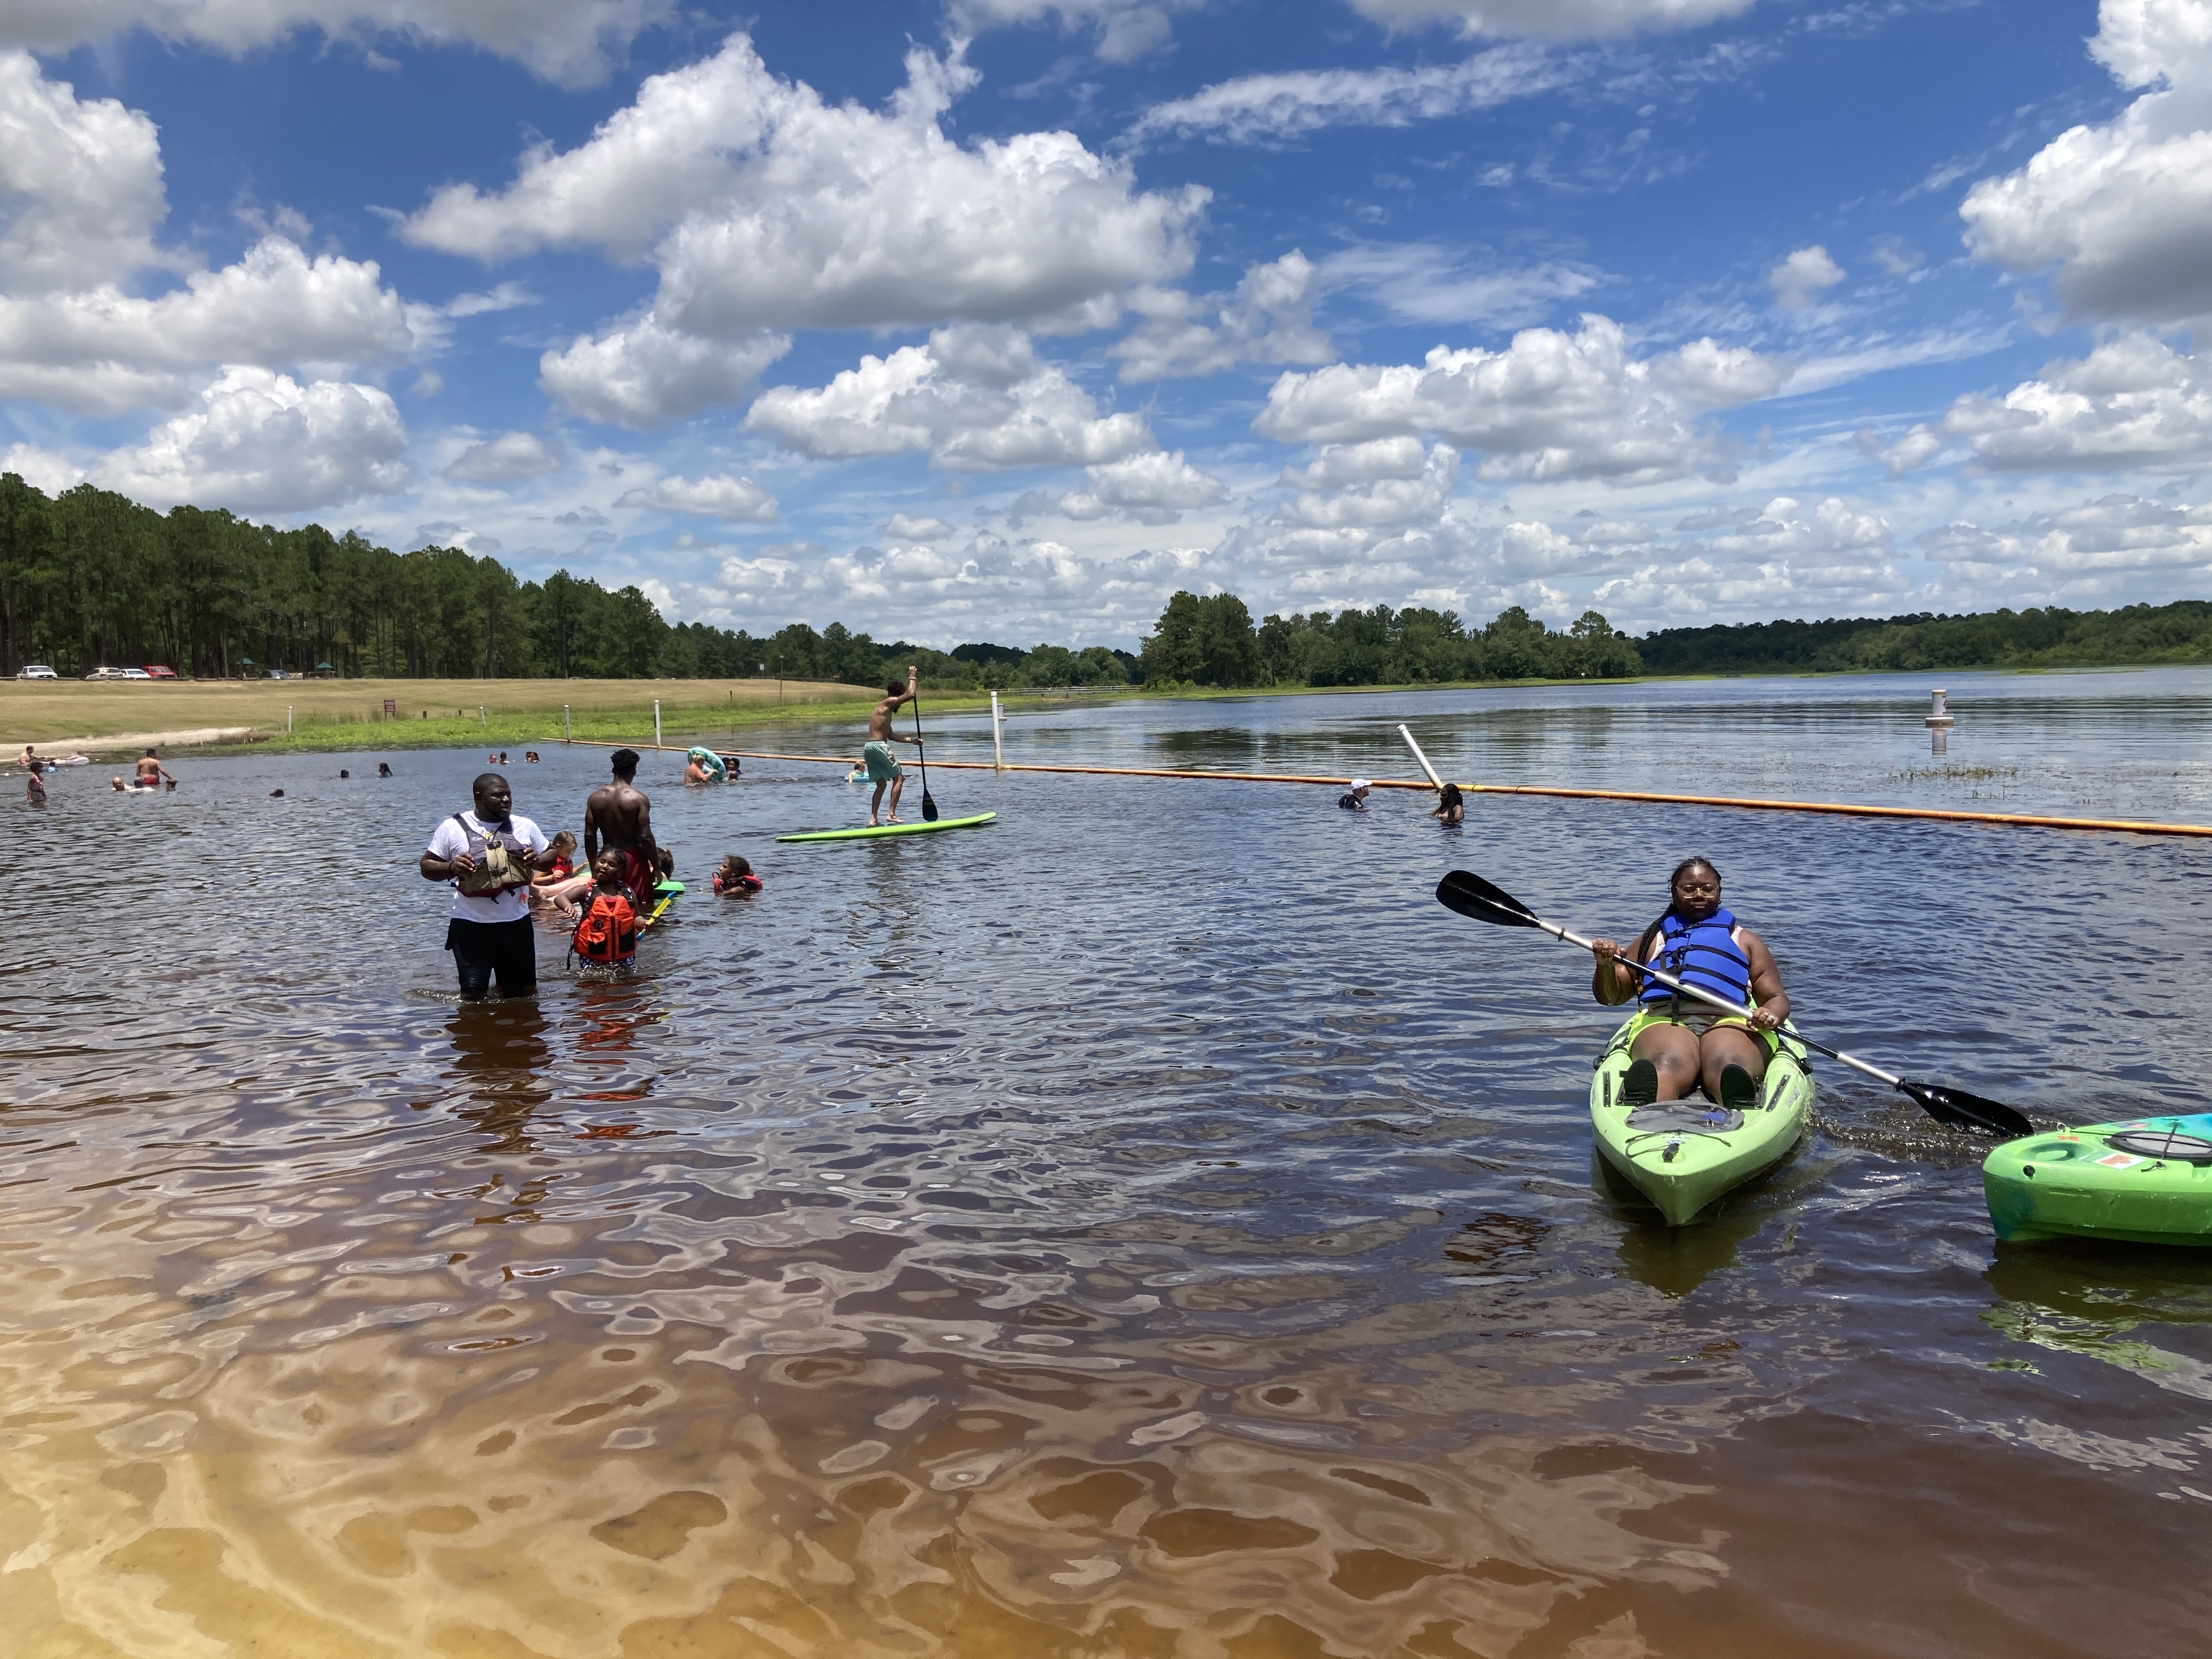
x: 36, y: 671
x: 156, y: 672
x: 107, y: 674
x: 136, y: 674
x: 277, y: 674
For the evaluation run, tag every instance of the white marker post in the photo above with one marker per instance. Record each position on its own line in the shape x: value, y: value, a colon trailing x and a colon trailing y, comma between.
x: 1421, y: 757
x: 568, y: 732
x: 656, y: 723
x: 997, y: 754
x: 288, y: 717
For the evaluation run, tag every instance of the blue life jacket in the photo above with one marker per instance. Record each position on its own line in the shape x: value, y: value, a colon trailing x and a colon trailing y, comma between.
x: 1704, y: 954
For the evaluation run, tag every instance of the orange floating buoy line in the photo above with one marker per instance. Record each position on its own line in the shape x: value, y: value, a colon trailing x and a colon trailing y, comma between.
x: 1840, y: 809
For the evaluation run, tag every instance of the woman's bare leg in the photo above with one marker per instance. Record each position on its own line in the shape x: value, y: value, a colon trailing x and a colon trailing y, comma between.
x: 1675, y: 1052
x: 1725, y: 1046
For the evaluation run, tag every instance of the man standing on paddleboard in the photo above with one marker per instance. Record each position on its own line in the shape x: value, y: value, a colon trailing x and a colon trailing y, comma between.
x: 876, y: 754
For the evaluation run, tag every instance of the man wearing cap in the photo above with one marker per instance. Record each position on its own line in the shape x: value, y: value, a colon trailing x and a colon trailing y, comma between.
x: 1357, y: 800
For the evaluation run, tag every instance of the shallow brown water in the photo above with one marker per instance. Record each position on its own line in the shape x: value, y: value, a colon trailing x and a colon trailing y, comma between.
x: 1148, y: 1226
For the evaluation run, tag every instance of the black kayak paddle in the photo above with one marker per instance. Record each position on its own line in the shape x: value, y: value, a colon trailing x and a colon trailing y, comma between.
x: 921, y: 757
x: 1471, y: 895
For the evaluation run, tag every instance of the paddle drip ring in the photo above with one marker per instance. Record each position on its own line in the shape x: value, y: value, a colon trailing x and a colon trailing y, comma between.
x: 2162, y: 1143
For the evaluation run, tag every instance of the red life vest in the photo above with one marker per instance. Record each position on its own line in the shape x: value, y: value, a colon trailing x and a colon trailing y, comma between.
x: 607, y: 931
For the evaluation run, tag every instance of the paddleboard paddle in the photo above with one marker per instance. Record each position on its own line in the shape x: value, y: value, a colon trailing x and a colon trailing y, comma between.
x: 921, y: 756
x: 1471, y: 895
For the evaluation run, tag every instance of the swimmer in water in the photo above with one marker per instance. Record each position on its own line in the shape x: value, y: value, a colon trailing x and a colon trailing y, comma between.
x: 152, y: 774
x: 736, y: 879
x: 383, y: 768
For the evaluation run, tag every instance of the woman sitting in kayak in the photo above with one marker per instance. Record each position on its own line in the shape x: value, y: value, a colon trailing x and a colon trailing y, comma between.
x: 1689, y: 1041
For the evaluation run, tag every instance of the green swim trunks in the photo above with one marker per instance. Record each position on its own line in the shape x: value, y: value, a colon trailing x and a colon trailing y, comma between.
x: 882, y: 767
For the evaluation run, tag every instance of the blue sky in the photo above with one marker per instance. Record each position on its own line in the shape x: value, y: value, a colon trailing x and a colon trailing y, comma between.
x: 1005, y: 319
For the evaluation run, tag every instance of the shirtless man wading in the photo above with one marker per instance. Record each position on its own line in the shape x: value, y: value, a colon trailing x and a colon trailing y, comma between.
x: 619, y: 816
x: 151, y: 772
x: 876, y: 754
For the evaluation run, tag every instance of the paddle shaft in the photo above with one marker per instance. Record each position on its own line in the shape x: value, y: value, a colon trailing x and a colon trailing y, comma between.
x: 921, y: 759
x: 1857, y: 1065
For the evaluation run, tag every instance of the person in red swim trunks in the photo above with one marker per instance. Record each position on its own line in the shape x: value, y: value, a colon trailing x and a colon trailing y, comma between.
x: 618, y: 818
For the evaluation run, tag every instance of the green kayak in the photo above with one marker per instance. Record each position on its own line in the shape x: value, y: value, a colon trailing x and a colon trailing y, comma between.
x: 1683, y: 1154
x: 2148, y: 1181
x: 875, y: 831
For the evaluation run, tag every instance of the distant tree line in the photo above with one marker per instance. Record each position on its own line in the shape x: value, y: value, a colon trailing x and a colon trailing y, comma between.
x: 90, y: 579
x: 1213, y: 641
x: 2136, y: 634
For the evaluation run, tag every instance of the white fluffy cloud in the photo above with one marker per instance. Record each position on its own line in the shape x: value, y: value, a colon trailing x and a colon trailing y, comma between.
x: 261, y: 442
x: 1552, y: 405
x: 975, y: 399
x: 2134, y: 404
x: 80, y: 194
x: 1155, y: 488
x: 1799, y: 281
x: 2094, y: 553
x: 1126, y: 30
x: 507, y: 458
x: 1380, y: 497
x: 902, y: 527
x: 1269, y: 319
x: 642, y: 373
x: 990, y: 589
x: 80, y: 184
x: 2123, y: 210
x: 102, y: 349
x: 571, y: 41
x: 720, y: 496
x: 1554, y: 18
x: 765, y: 207
x: 1834, y: 557
x: 1253, y: 108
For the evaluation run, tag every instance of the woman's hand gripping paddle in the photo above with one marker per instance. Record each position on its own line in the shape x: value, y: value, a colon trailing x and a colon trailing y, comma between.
x: 928, y: 800
x: 1471, y: 895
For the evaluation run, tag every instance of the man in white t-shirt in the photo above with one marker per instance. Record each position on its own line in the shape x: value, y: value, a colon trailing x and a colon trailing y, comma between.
x: 488, y: 855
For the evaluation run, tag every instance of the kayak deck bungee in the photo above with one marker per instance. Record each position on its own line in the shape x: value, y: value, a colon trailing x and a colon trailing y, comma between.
x: 2147, y: 1181
x: 1684, y: 1154
x: 877, y: 832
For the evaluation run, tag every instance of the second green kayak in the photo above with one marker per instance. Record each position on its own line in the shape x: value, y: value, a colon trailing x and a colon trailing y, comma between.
x: 1683, y: 1154
x: 2148, y: 1181
x: 875, y: 831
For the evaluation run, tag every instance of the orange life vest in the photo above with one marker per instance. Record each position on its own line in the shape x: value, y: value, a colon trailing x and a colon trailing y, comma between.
x: 607, y: 933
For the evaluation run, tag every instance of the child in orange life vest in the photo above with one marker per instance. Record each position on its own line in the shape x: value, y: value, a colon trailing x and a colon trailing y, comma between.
x: 736, y: 879
x: 607, y: 933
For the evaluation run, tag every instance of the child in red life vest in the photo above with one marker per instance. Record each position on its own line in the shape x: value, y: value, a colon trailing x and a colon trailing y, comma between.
x: 736, y: 879
x: 607, y: 931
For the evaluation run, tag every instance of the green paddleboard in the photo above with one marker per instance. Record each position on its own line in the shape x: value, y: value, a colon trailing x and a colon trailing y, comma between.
x: 871, y: 832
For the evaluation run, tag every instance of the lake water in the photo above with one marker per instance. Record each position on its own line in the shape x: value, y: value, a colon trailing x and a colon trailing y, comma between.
x: 1149, y: 1225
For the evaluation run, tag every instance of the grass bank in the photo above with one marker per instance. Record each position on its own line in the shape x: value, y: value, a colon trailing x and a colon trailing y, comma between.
x: 350, y: 714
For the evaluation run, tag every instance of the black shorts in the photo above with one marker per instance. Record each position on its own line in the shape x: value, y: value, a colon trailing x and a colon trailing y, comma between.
x: 483, y: 949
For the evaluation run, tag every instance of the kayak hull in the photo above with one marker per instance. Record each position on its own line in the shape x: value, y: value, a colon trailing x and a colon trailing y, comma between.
x: 882, y: 831
x: 1684, y: 1157
x: 2105, y: 1181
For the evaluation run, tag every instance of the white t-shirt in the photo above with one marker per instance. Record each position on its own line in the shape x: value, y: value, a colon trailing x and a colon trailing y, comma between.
x: 449, y: 838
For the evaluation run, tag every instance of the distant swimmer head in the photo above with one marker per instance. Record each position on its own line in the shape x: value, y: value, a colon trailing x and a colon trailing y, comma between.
x: 735, y: 877
x: 383, y: 768
x: 1363, y: 785
x: 342, y: 771
x: 1452, y: 796
x: 625, y: 762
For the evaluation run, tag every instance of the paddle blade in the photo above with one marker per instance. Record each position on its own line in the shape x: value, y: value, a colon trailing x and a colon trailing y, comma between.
x: 1471, y: 895
x: 928, y: 806
x: 1965, y: 1111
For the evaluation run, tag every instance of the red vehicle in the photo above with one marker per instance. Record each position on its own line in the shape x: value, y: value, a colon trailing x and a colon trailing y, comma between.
x: 156, y: 672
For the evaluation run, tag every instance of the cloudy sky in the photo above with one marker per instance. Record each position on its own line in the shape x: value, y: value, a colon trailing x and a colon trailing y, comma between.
x: 1004, y: 318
